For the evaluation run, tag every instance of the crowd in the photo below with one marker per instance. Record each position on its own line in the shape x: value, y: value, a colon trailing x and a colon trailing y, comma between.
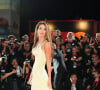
x: 76, y: 62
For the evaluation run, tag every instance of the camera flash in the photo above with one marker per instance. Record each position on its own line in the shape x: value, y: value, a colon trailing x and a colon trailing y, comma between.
x: 0, y: 58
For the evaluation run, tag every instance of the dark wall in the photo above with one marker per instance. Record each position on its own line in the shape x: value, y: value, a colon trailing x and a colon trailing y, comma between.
x: 56, y: 10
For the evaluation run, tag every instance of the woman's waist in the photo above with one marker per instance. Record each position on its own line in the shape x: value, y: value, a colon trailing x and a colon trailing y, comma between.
x: 39, y: 67
x: 39, y: 71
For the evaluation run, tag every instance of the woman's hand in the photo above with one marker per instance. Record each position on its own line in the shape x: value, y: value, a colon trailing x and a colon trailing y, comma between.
x: 29, y: 82
x: 49, y: 84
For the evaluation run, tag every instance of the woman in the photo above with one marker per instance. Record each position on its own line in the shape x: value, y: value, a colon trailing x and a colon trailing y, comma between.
x: 39, y: 79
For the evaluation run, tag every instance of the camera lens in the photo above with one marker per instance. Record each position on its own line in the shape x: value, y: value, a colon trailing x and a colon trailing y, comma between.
x: 68, y: 50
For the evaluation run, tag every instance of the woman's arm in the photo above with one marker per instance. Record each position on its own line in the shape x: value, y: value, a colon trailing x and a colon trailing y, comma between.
x: 48, y: 60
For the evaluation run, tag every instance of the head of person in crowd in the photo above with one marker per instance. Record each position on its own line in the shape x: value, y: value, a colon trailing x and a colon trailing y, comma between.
x: 98, y: 37
x: 15, y: 63
x: 63, y: 48
x: 96, y: 73
x: 74, y: 50
x: 70, y: 36
x: 58, y: 33
x: 97, y: 40
x: 87, y: 50
x: 25, y: 38
x: 85, y: 38
x: 95, y: 58
x: 27, y: 47
x: 73, y: 78
x: 11, y: 39
x: 4, y: 43
x: 58, y: 42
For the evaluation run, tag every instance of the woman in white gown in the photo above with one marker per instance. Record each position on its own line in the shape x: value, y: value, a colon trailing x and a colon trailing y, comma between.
x: 39, y: 78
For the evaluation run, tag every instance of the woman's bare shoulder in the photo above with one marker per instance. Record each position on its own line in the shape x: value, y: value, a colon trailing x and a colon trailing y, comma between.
x: 47, y: 43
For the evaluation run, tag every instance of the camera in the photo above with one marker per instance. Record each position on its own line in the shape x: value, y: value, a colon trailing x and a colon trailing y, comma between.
x: 0, y: 59
x: 11, y: 45
x: 3, y: 58
x: 74, y: 57
x: 73, y: 44
x: 68, y: 50
x: 3, y: 71
x: 18, y: 73
x: 15, y: 40
x: 27, y: 60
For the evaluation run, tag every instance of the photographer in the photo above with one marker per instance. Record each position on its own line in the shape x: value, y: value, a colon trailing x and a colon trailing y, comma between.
x: 25, y: 53
x: 84, y: 41
x: 4, y: 81
x: 4, y: 73
x: 26, y: 73
x: 75, y: 64
x: 4, y: 64
x: 97, y: 43
x: 13, y: 45
x: 26, y: 64
x: 4, y: 48
x: 17, y: 77
x: 25, y: 38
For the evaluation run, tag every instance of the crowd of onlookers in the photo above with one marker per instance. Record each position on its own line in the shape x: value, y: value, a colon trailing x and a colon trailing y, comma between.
x: 76, y: 62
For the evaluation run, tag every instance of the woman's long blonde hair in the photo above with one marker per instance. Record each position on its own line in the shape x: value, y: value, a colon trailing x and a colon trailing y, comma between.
x: 47, y: 36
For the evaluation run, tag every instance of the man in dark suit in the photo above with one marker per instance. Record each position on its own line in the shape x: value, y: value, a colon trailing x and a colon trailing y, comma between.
x: 61, y: 71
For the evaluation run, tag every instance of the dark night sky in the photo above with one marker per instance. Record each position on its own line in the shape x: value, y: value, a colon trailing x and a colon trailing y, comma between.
x: 57, y: 10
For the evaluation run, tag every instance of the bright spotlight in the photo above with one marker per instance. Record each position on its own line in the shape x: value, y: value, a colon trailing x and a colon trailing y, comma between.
x: 51, y: 27
x: 82, y: 25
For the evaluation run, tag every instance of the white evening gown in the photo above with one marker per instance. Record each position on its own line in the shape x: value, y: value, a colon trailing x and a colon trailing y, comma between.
x: 39, y: 74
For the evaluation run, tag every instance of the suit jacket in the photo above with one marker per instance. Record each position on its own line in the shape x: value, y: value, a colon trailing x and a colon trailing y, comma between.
x: 62, y: 66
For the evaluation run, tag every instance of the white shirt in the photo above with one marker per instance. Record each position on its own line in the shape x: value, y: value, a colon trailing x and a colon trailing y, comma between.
x: 73, y: 87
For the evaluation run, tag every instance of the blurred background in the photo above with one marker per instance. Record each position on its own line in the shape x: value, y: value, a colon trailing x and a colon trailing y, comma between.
x: 18, y: 16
